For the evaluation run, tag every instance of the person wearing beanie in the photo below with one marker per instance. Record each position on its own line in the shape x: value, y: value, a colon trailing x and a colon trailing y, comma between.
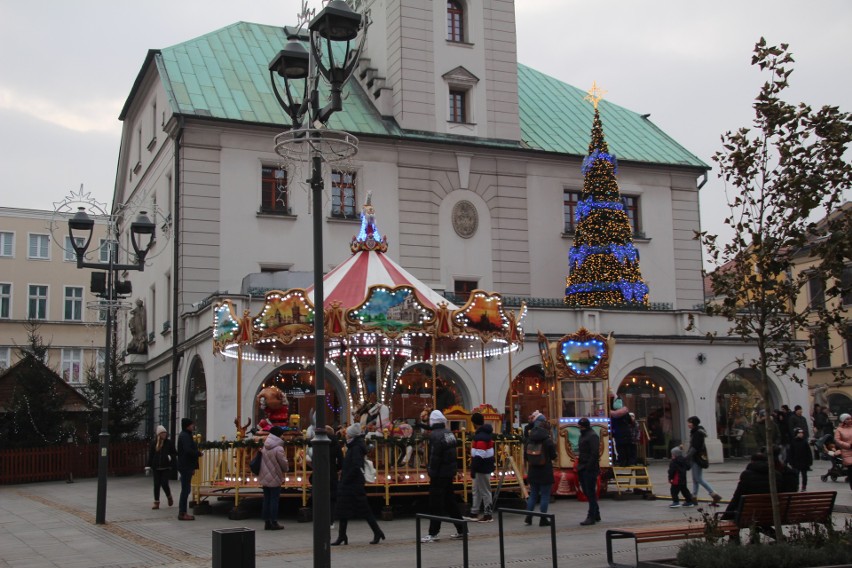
x: 162, y: 460
x: 589, y: 468
x: 530, y: 423
x: 678, y: 467
x: 187, y: 463
x: 697, y: 455
x: 442, y: 470
x: 481, y: 467
x: 539, y: 453
x: 351, y: 495
x: 800, y: 457
x: 843, y: 441
x: 273, y: 466
x: 797, y: 420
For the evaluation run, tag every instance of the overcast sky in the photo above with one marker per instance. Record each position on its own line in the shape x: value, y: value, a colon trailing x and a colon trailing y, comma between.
x: 67, y: 68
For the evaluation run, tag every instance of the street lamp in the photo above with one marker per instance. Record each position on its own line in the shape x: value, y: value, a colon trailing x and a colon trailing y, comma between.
x: 301, y: 71
x: 80, y: 228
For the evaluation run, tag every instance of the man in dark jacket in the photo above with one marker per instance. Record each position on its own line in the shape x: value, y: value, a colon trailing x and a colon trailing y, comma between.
x: 481, y: 467
x: 187, y: 455
x: 796, y: 420
x: 588, y: 468
x: 540, y: 467
x: 800, y: 456
x: 442, y: 470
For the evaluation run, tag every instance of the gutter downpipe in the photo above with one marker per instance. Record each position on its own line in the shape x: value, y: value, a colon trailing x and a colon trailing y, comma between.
x: 176, y: 329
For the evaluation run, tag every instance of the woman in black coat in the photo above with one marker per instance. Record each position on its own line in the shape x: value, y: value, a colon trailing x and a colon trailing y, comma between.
x: 162, y: 460
x: 351, y: 496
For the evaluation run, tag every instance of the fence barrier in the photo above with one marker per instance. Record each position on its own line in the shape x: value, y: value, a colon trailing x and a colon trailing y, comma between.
x: 549, y: 516
x: 67, y: 461
x: 420, y: 516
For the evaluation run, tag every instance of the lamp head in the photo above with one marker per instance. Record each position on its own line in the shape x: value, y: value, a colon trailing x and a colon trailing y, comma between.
x: 80, y: 228
x: 292, y: 62
x: 142, y: 233
x: 336, y: 22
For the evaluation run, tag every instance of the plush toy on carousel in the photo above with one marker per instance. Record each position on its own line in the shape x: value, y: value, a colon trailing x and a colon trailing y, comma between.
x: 273, y: 404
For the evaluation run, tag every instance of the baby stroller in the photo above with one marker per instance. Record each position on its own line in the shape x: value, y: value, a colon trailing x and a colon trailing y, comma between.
x: 836, y: 470
x: 825, y: 447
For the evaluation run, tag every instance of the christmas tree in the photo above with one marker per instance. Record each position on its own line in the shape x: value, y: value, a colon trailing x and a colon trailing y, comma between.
x: 603, y: 263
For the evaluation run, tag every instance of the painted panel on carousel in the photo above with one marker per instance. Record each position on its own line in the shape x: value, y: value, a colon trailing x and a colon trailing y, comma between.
x: 391, y: 310
x: 226, y: 327
x: 483, y: 313
x: 285, y: 316
x: 583, y: 355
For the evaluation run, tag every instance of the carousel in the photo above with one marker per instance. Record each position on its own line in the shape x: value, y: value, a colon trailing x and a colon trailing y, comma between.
x: 381, y: 325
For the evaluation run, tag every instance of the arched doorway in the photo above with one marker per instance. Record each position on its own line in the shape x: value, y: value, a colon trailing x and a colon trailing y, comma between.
x: 839, y: 403
x: 413, y: 391
x: 650, y: 394
x: 529, y: 392
x: 298, y: 385
x: 738, y: 403
x: 197, y: 396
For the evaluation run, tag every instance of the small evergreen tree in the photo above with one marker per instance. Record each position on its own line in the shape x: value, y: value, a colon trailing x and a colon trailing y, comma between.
x: 125, y: 412
x: 603, y: 263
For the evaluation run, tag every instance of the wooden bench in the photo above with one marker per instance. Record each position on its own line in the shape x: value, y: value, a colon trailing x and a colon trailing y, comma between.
x: 753, y: 511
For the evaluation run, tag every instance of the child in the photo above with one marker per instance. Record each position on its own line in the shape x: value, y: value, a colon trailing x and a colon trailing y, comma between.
x: 677, y: 477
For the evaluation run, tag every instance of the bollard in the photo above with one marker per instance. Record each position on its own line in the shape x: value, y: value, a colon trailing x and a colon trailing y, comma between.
x: 233, y: 548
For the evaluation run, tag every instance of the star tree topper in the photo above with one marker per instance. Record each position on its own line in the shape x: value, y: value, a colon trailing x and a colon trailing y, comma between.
x: 595, y: 94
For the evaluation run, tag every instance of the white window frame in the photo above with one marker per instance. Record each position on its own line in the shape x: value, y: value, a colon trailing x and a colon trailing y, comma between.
x: 6, y: 301
x: 356, y: 183
x: 45, y: 298
x: 103, y: 251
x: 70, y: 357
x: 7, y: 240
x: 70, y: 255
x: 74, y: 302
x: 44, y: 242
x: 5, y: 357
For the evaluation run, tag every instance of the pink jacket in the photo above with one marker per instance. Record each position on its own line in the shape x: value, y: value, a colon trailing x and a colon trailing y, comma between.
x: 274, y: 462
x: 843, y: 439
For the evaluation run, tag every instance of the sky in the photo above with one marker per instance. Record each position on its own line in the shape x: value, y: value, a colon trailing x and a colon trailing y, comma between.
x: 67, y: 68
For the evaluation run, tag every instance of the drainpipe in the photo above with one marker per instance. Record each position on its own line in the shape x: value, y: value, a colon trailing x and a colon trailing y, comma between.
x: 703, y: 180
x: 176, y: 329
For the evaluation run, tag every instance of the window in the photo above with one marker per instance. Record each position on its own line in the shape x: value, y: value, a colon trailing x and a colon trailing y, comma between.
x: 455, y: 21
x: 5, y: 355
x: 73, y: 303
x: 463, y: 288
x: 5, y: 300
x: 103, y: 251
x: 274, y: 197
x: 39, y: 247
x: 100, y: 362
x: 72, y: 364
x: 846, y: 285
x: 7, y: 244
x: 570, y: 200
x: 631, y: 207
x: 816, y: 293
x: 822, y: 350
x: 342, y: 194
x: 164, y: 399
x: 458, y: 106
x: 70, y: 255
x: 37, y: 305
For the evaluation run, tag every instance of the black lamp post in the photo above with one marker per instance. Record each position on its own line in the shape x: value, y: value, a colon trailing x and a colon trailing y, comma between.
x: 80, y: 228
x: 301, y: 71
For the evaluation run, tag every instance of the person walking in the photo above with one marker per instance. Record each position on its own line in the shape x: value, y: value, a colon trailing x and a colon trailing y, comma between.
x: 797, y: 420
x: 442, y: 470
x: 187, y: 457
x: 697, y: 455
x: 351, y: 495
x: 800, y: 457
x: 273, y: 465
x: 481, y: 467
x: 539, y: 453
x: 843, y: 441
x: 162, y: 459
x: 678, y: 468
x: 588, y: 468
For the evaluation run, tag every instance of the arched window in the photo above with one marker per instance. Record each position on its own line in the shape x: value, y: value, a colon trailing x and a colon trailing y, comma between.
x: 455, y: 21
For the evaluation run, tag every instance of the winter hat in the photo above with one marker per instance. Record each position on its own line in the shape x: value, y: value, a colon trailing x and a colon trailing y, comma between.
x: 677, y: 452
x: 437, y: 417
x: 844, y: 417
x: 534, y: 416
x: 185, y: 422
x: 694, y: 419
x: 161, y: 430
x: 354, y: 431
x: 540, y: 418
x: 276, y: 431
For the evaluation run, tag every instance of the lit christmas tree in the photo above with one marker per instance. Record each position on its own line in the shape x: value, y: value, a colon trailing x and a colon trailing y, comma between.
x: 603, y: 263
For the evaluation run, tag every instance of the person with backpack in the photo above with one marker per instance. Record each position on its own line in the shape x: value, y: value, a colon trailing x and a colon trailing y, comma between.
x: 442, y: 470
x: 481, y: 467
x: 539, y: 453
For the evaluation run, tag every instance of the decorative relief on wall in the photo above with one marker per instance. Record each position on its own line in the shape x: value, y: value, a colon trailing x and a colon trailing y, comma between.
x: 465, y: 219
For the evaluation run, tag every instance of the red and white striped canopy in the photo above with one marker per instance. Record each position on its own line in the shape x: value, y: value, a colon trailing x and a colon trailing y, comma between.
x: 349, y: 283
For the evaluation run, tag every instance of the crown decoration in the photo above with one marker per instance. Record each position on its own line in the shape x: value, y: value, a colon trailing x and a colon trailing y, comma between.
x: 369, y: 238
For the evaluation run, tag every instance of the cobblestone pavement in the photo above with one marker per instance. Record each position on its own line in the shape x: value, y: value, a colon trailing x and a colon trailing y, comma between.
x: 45, y: 525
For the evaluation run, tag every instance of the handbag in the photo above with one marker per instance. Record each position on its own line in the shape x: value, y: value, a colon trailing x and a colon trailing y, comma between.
x: 254, y: 464
x: 369, y: 471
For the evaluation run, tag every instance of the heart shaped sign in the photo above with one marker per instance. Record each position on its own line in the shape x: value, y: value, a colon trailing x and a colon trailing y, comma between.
x: 583, y: 356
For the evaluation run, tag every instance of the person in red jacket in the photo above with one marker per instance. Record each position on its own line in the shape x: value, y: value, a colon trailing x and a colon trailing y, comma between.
x: 481, y: 466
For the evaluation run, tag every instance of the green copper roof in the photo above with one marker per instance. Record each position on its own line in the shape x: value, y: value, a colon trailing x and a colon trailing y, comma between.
x: 224, y: 75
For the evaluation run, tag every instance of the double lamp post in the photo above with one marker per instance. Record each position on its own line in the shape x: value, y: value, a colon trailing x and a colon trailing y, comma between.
x: 301, y: 71
x: 80, y: 229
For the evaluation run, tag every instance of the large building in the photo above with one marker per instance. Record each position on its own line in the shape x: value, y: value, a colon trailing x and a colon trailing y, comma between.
x: 40, y: 285
x: 474, y: 161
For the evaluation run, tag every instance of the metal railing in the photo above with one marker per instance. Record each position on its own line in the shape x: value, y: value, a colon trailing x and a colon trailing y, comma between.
x: 465, y: 532
x: 549, y: 516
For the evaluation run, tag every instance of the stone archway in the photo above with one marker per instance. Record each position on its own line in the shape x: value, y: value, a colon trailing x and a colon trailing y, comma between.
x: 196, y: 396
x: 653, y: 395
x: 298, y: 383
x: 529, y: 391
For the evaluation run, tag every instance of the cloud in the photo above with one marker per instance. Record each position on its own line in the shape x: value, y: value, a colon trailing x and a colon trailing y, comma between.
x: 94, y: 115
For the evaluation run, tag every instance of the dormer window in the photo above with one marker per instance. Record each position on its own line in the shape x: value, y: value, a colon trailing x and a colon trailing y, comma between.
x: 460, y: 86
x: 455, y: 21
x: 458, y: 106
